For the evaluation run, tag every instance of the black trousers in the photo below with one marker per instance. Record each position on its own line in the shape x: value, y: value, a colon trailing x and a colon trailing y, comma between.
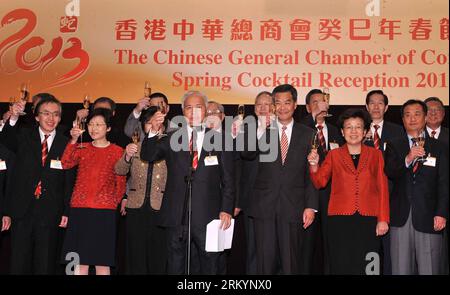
x: 146, y: 248
x: 278, y: 245
x: 206, y: 263
x: 351, y: 238
x: 34, y: 243
x: 251, y: 265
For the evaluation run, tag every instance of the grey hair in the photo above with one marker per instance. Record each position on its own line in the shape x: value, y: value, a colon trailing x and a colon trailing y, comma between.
x: 193, y: 93
x: 265, y: 93
x: 219, y: 106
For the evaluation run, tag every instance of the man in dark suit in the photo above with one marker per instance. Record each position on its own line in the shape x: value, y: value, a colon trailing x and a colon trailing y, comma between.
x: 264, y: 110
x: 419, y: 202
x: 380, y: 132
x: 188, y: 151
x: 283, y: 199
x: 435, y: 117
x: 315, y: 253
x: 37, y: 200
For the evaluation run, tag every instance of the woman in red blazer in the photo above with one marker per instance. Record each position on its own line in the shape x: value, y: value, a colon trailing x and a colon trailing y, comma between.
x: 358, y: 210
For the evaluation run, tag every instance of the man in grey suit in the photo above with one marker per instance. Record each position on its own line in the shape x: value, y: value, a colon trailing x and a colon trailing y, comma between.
x: 156, y: 99
x: 419, y: 202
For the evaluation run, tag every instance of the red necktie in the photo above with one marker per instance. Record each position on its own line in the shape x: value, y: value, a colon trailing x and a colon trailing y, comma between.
x: 415, y: 167
x: 284, y: 145
x: 433, y: 134
x: 193, y: 149
x: 376, y: 138
x: 322, y: 138
x: 44, y: 149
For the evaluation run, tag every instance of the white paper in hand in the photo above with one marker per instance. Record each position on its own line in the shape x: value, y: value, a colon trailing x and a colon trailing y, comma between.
x: 218, y: 239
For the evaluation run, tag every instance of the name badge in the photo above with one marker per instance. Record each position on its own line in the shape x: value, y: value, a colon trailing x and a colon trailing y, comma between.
x: 334, y: 145
x: 56, y: 164
x: 2, y: 165
x: 211, y: 161
x: 431, y: 161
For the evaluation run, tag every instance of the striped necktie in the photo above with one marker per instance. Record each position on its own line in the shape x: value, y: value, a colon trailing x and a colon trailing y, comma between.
x: 38, y: 190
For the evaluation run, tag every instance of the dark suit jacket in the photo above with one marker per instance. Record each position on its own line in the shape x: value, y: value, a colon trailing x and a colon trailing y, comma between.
x: 283, y: 190
x: 443, y: 136
x: 212, y: 188
x: 5, y: 175
x: 57, y: 185
x: 426, y: 194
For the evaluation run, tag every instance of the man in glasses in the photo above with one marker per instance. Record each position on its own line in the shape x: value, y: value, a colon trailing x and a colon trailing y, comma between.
x: 37, y: 201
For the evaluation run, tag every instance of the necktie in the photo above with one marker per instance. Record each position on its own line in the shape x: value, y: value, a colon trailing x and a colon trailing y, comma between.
x: 193, y: 150
x: 376, y: 138
x: 284, y: 145
x: 415, y: 167
x: 44, y: 149
x: 322, y: 138
x: 433, y: 134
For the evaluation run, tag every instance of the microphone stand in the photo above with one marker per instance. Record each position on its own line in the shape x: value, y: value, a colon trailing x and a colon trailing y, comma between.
x: 188, y: 207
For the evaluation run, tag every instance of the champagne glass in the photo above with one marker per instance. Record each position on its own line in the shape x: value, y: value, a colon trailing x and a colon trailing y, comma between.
x: 86, y: 102
x: 136, y: 138
x: 24, y: 95
x: 147, y: 89
x: 163, y: 110
x: 81, y: 124
x: 326, y: 98
x: 12, y: 101
x: 420, y: 141
x: 315, y: 141
x: 241, y: 111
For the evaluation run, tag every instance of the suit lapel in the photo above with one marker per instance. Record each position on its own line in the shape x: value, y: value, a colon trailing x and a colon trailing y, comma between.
x: 346, y: 159
x: 292, y: 144
x: 36, y: 146
x: 56, y: 149
x: 363, y: 158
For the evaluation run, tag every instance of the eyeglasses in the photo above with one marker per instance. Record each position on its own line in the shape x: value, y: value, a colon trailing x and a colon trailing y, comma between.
x: 98, y: 125
x: 434, y: 111
x: 48, y: 114
x: 216, y: 112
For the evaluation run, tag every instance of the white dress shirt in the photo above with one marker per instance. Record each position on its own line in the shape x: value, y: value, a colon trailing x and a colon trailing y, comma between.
x: 438, y: 131
x: 49, y: 139
x: 379, y: 131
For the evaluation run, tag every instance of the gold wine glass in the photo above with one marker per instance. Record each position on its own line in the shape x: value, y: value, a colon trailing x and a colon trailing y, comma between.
x: 81, y: 125
x: 147, y: 89
x: 162, y: 108
x: 24, y: 95
x: 326, y: 98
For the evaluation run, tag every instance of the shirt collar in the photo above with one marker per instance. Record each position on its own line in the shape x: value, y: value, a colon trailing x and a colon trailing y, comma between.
x: 379, y: 124
x: 289, y: 125
x: 437, y: 130
x: 42, y: 134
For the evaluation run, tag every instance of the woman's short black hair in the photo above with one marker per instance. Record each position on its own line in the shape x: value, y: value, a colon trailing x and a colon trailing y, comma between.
x: 146, y: 115
x: 355, y: 113
x: 102, y: 112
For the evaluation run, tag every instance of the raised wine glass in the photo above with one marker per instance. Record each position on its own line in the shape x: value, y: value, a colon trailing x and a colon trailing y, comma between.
x: 326, y: 98
x: 24, y: 95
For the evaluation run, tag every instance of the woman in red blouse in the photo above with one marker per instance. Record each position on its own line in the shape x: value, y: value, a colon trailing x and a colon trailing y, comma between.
x: 358, y: 210
x: 91, y: 231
